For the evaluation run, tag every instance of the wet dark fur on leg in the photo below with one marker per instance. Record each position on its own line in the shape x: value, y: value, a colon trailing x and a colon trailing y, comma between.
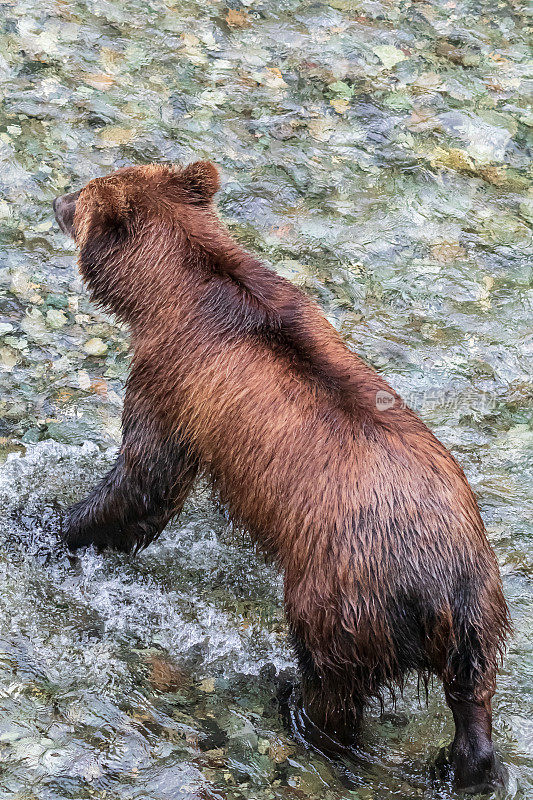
x: 137, y: 498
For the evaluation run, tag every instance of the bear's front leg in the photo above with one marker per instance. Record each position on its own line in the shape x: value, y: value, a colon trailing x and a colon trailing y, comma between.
x: 135, y: 500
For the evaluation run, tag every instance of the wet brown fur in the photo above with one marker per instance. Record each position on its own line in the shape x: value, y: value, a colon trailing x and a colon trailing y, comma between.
x: 236, y: 374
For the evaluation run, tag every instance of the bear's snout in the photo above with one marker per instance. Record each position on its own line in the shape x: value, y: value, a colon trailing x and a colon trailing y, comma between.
x: 64, y: 208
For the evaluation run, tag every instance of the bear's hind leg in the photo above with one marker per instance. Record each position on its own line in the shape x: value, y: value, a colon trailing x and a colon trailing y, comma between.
x: 472, y: 758
x: 480, y: 623
x: 328, y: 716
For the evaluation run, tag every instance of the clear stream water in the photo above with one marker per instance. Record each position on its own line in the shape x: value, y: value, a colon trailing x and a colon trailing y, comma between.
x: 374, y: 152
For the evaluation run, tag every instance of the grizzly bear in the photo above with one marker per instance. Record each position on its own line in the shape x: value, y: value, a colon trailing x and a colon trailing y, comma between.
x: 238, y: 376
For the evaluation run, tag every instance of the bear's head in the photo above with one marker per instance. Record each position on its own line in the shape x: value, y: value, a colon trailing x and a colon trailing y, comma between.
x: 117, y: 221
x: 119, y: 200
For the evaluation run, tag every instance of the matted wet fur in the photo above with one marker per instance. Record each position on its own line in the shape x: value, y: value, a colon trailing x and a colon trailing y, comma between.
x: 236, y: 374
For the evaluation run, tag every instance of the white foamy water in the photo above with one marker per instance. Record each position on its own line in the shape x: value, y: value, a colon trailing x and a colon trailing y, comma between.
x: 77, y: 636
x: 160, y: 597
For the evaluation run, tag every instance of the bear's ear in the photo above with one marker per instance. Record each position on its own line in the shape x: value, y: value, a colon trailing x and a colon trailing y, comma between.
x: 201, y: 180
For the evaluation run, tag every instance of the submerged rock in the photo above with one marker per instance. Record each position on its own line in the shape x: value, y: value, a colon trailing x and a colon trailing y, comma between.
x: 95, y: 347
x: 483, y: 142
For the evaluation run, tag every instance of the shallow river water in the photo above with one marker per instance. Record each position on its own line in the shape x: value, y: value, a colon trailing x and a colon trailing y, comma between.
x: 374, y: 152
